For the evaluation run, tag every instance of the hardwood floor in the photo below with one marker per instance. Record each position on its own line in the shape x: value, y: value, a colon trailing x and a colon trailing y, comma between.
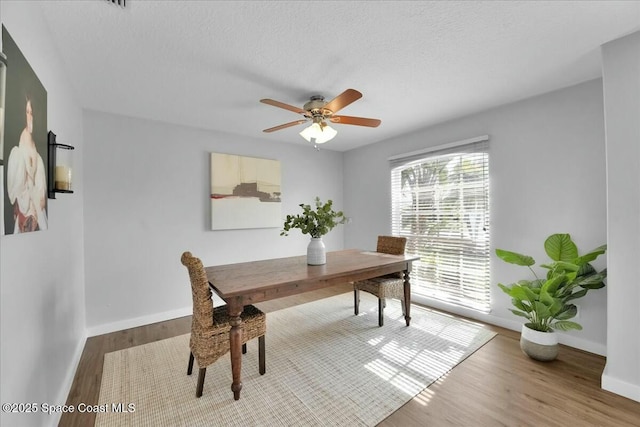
x: 496, y: 386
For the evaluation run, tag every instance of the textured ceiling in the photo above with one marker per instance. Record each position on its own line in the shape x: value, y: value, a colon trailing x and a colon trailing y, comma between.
x: 207, y: 64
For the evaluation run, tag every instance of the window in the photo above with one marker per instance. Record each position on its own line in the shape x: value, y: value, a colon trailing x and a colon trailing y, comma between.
x: 440, y: 203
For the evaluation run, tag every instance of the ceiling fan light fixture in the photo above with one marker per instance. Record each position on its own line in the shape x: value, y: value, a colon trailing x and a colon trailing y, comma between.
x: 319, y: 112
x: 318, y: 133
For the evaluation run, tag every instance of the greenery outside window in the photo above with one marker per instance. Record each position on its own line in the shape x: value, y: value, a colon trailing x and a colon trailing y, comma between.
x: 440, y: 203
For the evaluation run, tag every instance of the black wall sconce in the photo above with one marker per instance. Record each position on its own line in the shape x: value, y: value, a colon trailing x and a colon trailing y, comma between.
x: 60, y: 167
x: 122, y: 3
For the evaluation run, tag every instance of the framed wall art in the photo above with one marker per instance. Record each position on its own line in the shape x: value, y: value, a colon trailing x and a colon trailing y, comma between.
x: 25, y: 144
x: 245, y: 192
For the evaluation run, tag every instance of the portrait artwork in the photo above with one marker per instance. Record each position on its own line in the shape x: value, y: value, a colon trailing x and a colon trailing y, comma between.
x: 25, y: 145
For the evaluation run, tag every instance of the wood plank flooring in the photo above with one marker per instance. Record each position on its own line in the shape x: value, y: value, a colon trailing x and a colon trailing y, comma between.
x: 496, y: 386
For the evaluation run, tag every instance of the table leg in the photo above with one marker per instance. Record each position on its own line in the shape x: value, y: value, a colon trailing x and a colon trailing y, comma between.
x: 407, y: 297
x: 235, y: 343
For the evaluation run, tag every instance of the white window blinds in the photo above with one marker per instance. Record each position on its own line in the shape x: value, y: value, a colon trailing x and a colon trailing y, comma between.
x: 440, y: 202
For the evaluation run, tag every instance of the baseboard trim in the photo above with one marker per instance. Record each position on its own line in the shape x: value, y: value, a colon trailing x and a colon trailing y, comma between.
x: 514, y: 325
x: 138, y: 321
x: 617, y: 386
x: 68, y: 380
x: 584, y: 345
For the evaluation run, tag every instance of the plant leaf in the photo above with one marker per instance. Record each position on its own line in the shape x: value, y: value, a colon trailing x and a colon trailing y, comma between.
x: 519, y: 292
x: 586, y: 269
x: 519, y: 313
x: 556, y: 308
x: 537, y: 326
x: 530, y: 294
x: 598, y: 285
x: 590, y: 256
x: 576, y: 295
x: 542, y: 310
x: 592, y: 281
x: 520, y: 305
x: 566, y: 266
x: 569, y: 311
x: 505, y: 289
x: 515, y: 258
x: 560, y: 247
x: 566, y: 325
x: 545, y: 298
x: 536, y: 284
x: 551, y: 285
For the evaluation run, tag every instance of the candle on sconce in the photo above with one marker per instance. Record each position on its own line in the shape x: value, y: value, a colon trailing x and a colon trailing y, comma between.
x: 63, y: 178
x: 60, y: 164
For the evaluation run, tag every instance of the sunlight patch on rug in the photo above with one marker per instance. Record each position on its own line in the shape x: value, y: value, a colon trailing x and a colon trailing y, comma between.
x: 325, y: 366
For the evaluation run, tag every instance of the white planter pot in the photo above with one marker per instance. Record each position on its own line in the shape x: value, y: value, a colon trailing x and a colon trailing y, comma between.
x: 316, y: 252
x: 542, y: 346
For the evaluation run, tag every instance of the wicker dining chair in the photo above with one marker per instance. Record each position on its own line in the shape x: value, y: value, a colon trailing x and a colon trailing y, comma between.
x: 388, y: 286
x: 210, y: 326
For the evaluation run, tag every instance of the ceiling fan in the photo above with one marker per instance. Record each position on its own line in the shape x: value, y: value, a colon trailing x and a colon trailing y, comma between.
x: 317, y: 110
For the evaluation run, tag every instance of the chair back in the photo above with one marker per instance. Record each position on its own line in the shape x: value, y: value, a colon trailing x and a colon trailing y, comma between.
x: 202, y: 303
x: 391, y: 245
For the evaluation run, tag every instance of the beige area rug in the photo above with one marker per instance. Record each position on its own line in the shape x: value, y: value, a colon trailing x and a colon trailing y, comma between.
x: 325, y: 366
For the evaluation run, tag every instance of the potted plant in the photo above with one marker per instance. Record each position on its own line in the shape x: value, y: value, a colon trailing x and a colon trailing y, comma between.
x: 317, y: 223
x: 547, y: 303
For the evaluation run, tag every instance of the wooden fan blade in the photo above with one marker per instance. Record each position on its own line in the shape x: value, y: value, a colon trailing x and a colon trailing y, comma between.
x: 286, y: 125
x: 360, y: 121
x: 285, y: 106
x: 342, y: 100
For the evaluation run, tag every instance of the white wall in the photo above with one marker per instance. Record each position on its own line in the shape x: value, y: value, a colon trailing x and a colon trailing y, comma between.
x: 147, y: 200
x: 621, y: 77
x: 42, y: 274
x: 547, y: 175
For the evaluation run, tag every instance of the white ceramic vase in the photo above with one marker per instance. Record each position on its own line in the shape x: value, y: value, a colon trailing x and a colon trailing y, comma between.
x: 542, y: 346
x: 316, y: 252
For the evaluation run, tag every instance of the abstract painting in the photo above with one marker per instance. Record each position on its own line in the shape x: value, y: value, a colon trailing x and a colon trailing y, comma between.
x: 245, y: 192
x: 25, y: 145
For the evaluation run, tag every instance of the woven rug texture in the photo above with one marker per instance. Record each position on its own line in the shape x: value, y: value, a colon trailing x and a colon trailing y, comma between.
x: 325, y: 367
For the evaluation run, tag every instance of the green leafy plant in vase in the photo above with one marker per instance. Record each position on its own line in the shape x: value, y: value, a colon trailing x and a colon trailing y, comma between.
x: 315, y: 222
x: 547, y: 303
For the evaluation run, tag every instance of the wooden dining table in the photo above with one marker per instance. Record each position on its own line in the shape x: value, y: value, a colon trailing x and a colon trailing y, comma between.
x: 256, y: 281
